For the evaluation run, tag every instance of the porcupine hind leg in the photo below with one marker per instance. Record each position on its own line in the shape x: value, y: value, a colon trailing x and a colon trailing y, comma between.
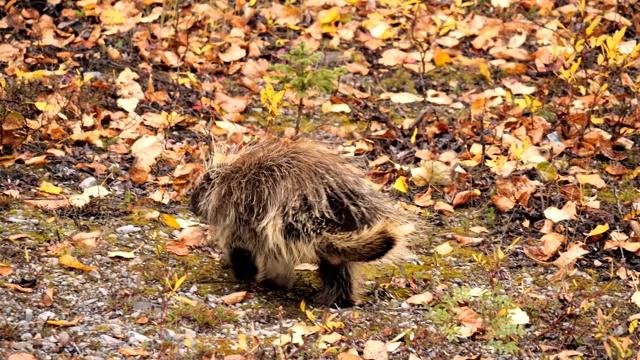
x: 338, y: 284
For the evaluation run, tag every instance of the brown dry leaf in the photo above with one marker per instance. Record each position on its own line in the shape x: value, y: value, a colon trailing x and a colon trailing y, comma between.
x: 18, y: 287
x: 70, y: 261
x: 134, y: 352
x: 629, y: 246
x: 568, y: 212
x: 616, y: 169
x: 503, y: 203
x: 348, y: 356
x: 230, y: 104
x: 234, y: 298
x: 59, y: 248
x: 479, y: 229
x: 464, y: 197
x: 143, y: 319
x: 375, y: 350
x: 575, y: 251
x: 21, y: 356
x: 47, y: 297
x: 466, y: 240
x: 551, y: 244
x: 5, y: 270
x: 424, y: 199
x: 443, y: 208
x: 233, y: 53
x: 470, y: 321
x: 87, y: 240
x: 191, y: 236
x: 444, y: 248
x: 178, y: 248
x: 420, y: 299
x: 332, y: 338
x: 593, y: 179
x: 66, y: 323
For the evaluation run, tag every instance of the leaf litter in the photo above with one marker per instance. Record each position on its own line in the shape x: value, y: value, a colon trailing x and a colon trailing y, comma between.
x: 508, y: 129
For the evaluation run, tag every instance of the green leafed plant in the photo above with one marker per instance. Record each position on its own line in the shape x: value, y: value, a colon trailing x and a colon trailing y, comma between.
x: 297, y: 74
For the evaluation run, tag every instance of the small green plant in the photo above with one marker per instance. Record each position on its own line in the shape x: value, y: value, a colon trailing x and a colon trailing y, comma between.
x: 204, y: 316
x: 297, y: 74
x: 498, y: 314
x: 273, y: 101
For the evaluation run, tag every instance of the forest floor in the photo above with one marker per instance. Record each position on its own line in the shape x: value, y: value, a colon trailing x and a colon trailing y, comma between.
x: 508, y: 132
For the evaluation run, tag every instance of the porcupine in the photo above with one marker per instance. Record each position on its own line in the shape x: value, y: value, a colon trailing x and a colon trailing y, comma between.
x: 280, y: 203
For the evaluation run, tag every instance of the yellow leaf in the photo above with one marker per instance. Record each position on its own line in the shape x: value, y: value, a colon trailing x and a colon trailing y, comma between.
x: 302, y: 305
x: 484, y: 70
x: 401, y: 184
x: 185, y: 300
x: 310, y: 316
x: 50, y: 188
x: 70, y: 261
x: 440, y: 57
x: 600, y: 229
x: 111, y: 17
x: 170, y: 221
x: 44, y: 106
x: 329, y: 16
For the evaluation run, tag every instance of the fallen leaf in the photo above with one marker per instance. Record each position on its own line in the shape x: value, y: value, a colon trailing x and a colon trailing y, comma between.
x: 401, y: 184
x: 47, y: 297
x: 18, y: 287
x: 70, y: 261
x: 191, y: 236
x: 503, y: 203
x: 600, y: 229
x: 568, y: 212
x: 66, y: 323
x: 420, y: 299
x: 133, y: 352
x: 178, y: 248
x: 87, y: 240
x: 635, y: 298
x: 170, y: 221
x: 466, y: 240
x: 518, y: 317
x: 332, y: 338
x: 21, y: 356
x: 443, y: 208
x: 575, y: 251
x: 5, y: 270
x: 470, y: 320
x: 593, y: 179
x: 50, y: 188
x: 444, y: 248
x: 375, y: 350
x: 464, y: 197
x: 234, y: 298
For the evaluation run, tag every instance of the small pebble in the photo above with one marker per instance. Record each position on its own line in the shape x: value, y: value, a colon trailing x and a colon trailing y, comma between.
x: 88, y: 182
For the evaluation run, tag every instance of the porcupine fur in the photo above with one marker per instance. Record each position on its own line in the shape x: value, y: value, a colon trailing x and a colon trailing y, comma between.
x: 280, y: 203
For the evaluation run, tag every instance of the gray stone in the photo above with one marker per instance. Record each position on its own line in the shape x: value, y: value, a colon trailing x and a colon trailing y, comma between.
x: 88, y: 182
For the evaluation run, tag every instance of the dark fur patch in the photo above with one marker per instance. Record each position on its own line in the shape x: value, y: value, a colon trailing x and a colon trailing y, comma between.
x: 243, y: 264
x: 385, y: 243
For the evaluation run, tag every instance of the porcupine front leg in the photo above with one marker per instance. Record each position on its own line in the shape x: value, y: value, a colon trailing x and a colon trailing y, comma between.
x: 243, y: 264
